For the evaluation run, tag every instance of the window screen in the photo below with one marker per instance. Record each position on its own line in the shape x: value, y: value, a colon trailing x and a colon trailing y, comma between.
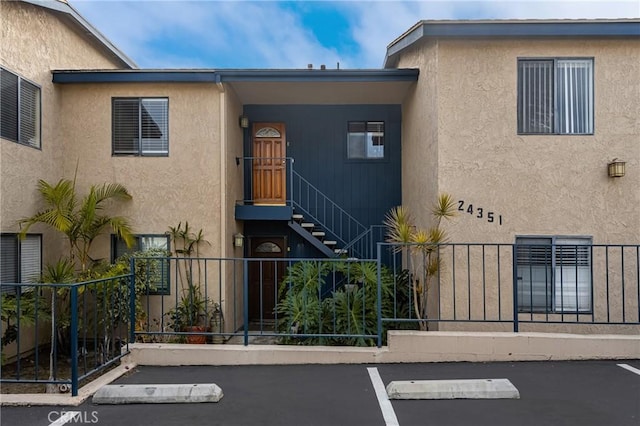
x: 140, y: 126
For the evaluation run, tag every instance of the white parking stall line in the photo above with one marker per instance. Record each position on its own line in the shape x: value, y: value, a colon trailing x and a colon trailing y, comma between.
x: 65, y: 418
x: 630, y: 368
x: 389, y: 415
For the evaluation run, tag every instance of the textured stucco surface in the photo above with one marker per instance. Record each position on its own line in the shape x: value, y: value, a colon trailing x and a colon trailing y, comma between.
x: 184, y: 186
x: 32, y: 43
x: 460, y: 137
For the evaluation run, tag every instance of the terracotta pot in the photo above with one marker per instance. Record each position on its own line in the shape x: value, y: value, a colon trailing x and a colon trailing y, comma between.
x: 199, y: 339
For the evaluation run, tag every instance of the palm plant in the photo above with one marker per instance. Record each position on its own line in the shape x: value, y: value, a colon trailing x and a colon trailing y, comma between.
x: 80, y: 220
x: 420, y: 248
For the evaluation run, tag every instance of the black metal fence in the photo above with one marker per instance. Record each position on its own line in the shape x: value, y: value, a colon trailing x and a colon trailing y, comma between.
x: 514, y: 284
x: 60, y: 334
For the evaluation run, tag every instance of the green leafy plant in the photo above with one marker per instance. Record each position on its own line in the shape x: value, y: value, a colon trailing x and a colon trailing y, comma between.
x: 81, y: 220
x: 349, y: 309
x: 194, y: 307
x: 421, y: 249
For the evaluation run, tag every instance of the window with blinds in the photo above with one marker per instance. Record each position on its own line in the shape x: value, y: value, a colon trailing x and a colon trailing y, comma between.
x: 140, y: 126
x: 20, y: 260
x: 554, y: 274
x: 157, y: 271
x: 19, y: 109
x: 365, y: 140
x: 555, y: 96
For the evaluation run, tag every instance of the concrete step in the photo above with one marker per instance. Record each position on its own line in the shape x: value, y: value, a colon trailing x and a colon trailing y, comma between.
x: 308, y: 225
x: 330, y: 243
x: 453, y: 389
x: 318, y: 234
x: 340, y: 251
x: 297, y: 217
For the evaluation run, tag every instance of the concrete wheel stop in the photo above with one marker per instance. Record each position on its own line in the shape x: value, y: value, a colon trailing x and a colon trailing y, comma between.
x: 453, y: 389
x: 158, y: 394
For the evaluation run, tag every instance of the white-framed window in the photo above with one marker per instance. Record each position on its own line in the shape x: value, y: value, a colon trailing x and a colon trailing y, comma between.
x: 19, y: 109
x: 555, y: 96
x: 156, y: 270
x: 554, y: 274
x: 365, y: 140
x: 140, y: 126
x: 20, y: 260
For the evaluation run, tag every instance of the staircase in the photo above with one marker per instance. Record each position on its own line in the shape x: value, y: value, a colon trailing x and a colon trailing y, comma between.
x: 316, y: 235
x: 321, y: 221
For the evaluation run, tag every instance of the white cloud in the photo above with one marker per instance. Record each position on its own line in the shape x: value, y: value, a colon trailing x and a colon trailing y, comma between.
x: 271, y: 34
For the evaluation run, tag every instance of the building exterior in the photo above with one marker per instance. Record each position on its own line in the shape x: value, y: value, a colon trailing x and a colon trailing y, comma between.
x: 518, y: 120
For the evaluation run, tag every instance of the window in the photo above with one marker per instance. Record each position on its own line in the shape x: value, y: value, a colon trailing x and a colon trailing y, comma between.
x: 141, y: 126
x: 19, y: 109
x: 554, y: 274
x: 20, y: 260
x: 157, y: 271
x: 365, y: 139
x: 555, y: 96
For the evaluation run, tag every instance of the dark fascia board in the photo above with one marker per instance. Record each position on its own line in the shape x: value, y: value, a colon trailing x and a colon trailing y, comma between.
x: 134, y: 76
x: 326, y: 75
x: 230, y: 76
x: 622, y: 28
x: 74, y: 15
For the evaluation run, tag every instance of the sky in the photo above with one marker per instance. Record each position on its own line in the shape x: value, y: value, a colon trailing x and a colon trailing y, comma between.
x: 291, y: 34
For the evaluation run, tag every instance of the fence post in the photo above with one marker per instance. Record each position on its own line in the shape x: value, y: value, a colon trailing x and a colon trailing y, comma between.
x: 132, y: 300
x: 74, y: 340
x: 379, y: 302
x: 514, y: 260
x: 245, y: 291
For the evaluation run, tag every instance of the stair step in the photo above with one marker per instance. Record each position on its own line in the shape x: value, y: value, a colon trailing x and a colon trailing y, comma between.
x: 330, y: 243
x: 340, y: 251
x: 318, y: 234
x: 297, y: 217
x: 308, y: 225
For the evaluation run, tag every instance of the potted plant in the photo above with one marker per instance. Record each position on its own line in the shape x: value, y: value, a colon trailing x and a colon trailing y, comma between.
x: 190, y: 314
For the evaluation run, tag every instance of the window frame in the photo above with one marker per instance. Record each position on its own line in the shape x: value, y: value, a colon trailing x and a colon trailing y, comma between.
x: 556, y: 273
x: 8, y: 288
x: 166, y: 289
x: 140, y: 152
x: 366, y: 123
x: 19, y: 114
x: 555, y: 121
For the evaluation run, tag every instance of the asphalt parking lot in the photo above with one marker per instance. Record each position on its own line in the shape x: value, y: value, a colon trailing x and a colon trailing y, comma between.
x: 551, y: 393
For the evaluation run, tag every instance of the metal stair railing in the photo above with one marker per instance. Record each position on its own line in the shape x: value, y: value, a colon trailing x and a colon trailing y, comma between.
x: 315, y: 205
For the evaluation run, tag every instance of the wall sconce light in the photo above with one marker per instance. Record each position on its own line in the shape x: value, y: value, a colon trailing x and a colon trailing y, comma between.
x: 238, y: 240
x: 244, y: 121
x: 616, y: 168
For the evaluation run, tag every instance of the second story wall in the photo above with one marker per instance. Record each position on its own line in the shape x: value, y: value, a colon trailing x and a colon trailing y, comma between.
x: 538, y: 184
x: 366, y: 188
x: 180, y: 185
x: 34, y: 41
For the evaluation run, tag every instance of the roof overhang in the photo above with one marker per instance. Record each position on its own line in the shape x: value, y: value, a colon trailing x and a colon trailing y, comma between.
x: 72, y: 17
x: 496, y: 29
x: 292, y: 86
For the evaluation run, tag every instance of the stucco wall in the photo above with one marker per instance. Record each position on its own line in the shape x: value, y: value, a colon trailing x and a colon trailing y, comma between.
x: 233, y: 191
x: 542, y: 185
x: 185, y: 186
x: 32, y: 43
x: 460, y: 137
x: 420, y: 132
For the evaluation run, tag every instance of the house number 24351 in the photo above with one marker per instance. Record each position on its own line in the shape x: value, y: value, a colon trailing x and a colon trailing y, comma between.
x: 479, y: 212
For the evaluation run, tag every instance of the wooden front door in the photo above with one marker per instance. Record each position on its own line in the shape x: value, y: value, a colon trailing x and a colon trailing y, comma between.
x: 269, y: 164
x: 265, y: 276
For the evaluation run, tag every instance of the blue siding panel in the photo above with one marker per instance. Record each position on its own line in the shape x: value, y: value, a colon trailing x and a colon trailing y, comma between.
x: 317, y: 140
